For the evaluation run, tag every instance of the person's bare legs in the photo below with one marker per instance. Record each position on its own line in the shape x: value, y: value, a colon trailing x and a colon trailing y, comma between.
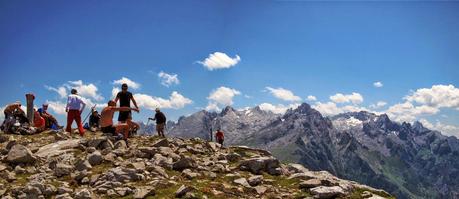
x: 132, y: 125
x: 122, y: 128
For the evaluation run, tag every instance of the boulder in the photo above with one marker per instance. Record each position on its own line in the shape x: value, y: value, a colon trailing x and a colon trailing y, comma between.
x: 144, y: 192
x: 311, y: 183
x: 255, y: 180
x: 183, y: 190
x: 242, y: 181
x: 260, y: 189
x: 184, y: 163
x: 323, y: 192
x: 121, y: 144
x: 57, y: 148
x: 20, y: 154
x: 95, y: 158
x: 62, y: 169
x: 82, y: 165
x: 83, y: 194
x: 296, y: 168
x: 161, y: 143
x: 257, y: 165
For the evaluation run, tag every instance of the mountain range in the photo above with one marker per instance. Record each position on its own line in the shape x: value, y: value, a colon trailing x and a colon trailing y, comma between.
x: 408, y: 160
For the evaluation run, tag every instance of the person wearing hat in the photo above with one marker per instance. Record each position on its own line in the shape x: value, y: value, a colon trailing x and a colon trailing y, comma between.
x: 160, y: 122
x: 50, y: 120
x: 74, y: 108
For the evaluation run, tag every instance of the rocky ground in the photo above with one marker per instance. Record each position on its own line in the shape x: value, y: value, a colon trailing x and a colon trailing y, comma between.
x: 56, y: 165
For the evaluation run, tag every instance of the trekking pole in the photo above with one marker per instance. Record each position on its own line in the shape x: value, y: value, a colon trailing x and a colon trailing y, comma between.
x: 89, y: 114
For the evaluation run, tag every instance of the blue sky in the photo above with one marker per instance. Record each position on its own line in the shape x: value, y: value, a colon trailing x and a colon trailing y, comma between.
x: 273, y: 53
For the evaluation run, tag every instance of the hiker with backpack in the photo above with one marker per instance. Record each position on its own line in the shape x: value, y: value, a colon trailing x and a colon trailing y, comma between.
x: 74, y: 108
x: 106, y: 119
x: 160, y: 122
x: 220, y: 137
x: 125, y: 97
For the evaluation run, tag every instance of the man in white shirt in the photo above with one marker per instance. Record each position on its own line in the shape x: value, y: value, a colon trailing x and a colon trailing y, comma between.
x: 74, y: 108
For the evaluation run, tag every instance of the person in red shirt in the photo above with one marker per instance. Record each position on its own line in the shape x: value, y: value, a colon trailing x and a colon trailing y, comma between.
x: 38, y: 122
x: 220, y: 137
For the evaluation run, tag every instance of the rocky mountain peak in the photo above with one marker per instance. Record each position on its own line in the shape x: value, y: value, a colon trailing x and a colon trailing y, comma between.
x: 57, y: 165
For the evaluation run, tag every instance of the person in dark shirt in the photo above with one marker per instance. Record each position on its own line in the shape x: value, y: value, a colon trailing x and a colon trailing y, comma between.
x: 125, y: 97
x: 160, y: 122
x: 94, y: 121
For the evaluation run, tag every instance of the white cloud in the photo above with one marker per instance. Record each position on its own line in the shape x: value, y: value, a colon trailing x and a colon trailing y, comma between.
x: 439, y: 96
x: 60, y: 90
x: 2, y: 116
x: 115, y: 91
x: 125, y: 80
x: 378, y: 104
x: 175, y: 101
x: 354, y: 98
x: 330, y: 108
x: 283, y: 94
x: 221, y: 96
x: 311, y: 98
x: 85, y: 90
x: 168, y: 79
x: 278, y: 109
x: 57, y: 107
x: 447, y: 129
x: 219, y: 60
x: 378, y: 84
x: 212, y: 106
x: 407, y: 112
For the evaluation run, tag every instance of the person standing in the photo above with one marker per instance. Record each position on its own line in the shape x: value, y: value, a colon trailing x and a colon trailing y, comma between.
x: 74, y: 108
x: 220, y: 137
x: 125, y: 97
x: 160, y: 122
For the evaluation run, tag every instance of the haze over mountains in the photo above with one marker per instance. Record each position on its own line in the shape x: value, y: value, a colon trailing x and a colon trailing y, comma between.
x: 408, y: 160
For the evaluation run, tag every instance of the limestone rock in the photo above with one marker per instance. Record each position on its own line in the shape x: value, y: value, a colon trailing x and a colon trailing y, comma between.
x: 20, y: 154
x: 95, y: 158
x: 323, y: 192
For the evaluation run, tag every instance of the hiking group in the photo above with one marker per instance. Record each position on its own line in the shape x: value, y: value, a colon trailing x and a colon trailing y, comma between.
x: 18, y: 122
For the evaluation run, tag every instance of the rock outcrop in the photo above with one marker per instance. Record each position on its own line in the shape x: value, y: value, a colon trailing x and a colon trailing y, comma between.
x: 93, y: 167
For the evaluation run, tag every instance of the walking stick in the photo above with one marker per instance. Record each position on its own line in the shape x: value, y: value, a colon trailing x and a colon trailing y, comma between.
x: 89, y: 114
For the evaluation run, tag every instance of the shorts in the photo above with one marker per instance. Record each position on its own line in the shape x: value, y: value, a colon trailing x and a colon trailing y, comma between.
x: 109, y: 129
x: 160, y: 127
x: 123, y: 116
x: 220, y: 141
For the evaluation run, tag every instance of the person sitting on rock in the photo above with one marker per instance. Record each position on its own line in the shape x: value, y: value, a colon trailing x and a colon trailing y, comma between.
x: 50, y: 120
x: 220, y: 137
x: 106, y: 119
x: 160, y: 122
x: 38, y: 122
x: 94, y: 121
x: 14, y: 118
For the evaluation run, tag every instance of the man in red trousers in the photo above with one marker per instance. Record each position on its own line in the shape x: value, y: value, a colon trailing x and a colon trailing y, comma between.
x: 74, y: 108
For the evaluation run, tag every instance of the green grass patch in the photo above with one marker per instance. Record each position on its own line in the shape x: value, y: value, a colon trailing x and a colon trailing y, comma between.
x: 357, y: 194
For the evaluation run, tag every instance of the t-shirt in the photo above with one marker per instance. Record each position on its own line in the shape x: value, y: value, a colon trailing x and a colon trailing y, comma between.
x: 219, y: 135
x: 125, y: 98
x: 160, y: 118
x: 74, y: 102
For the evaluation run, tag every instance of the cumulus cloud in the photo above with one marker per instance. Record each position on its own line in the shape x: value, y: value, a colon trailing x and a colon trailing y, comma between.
x: 57, y: 107
x: 311, y: 98
x: 425, y: 101
x: 125, y: 80
x: 407, y: 112
x: 278, y: 109
x: 168, y: 79
x: 378, y: 84
x: 378, y: 104
x: 219, y: 60
x: 331, y: 108
x: 283, y: 94
x: 61, y: 90
x: 2, y: 116
x: 175, y: 101
x: 447, y: 129
x: 221, y: 96
x: 439, y: 96
x: 354, y: 98
x: 85, y: 90
x: 115, y: 91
